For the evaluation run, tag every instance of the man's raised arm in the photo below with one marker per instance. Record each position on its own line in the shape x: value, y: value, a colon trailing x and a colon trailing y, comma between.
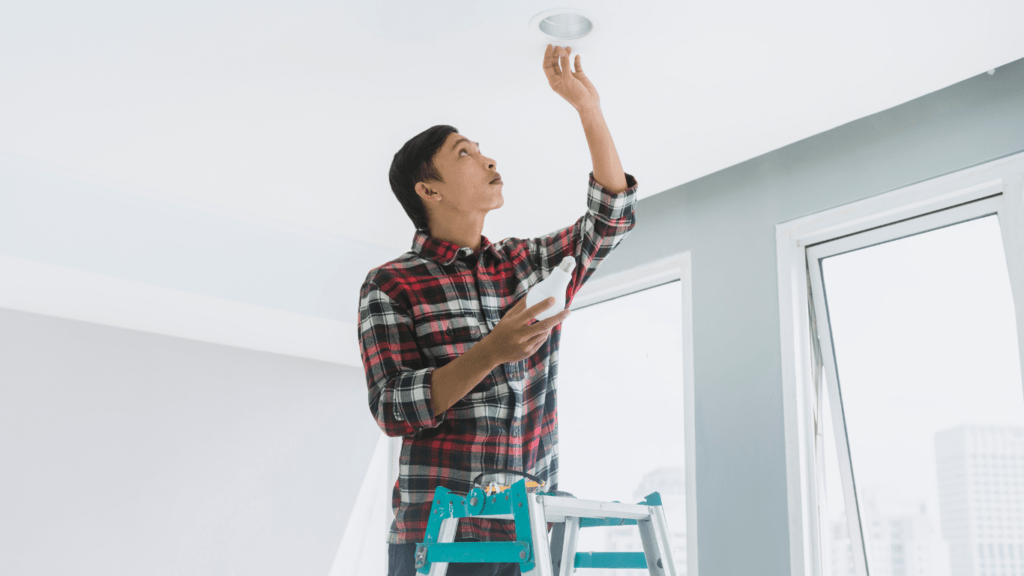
x: 579, y: 91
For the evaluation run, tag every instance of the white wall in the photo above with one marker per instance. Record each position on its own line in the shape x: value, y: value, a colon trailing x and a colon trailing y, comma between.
x: 165, y: 406
x: 125, y: 453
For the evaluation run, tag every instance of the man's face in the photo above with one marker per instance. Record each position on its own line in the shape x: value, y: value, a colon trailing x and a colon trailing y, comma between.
x: 467, y: 189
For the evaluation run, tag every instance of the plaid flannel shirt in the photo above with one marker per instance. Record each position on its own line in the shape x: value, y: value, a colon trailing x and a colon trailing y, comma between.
x: 429, y: 306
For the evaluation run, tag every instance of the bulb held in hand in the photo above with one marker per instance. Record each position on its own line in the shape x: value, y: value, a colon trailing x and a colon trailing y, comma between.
x: 555, y: 285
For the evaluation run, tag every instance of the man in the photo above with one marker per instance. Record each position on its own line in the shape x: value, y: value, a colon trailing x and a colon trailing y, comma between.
x: 452, y: 362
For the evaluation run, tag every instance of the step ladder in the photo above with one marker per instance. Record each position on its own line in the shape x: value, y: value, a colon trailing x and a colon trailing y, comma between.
x: 531, y: 549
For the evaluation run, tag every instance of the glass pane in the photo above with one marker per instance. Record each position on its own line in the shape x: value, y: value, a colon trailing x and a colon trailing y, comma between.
x: 620, y: 413
x: 837, y: 552
x: 926, y: 350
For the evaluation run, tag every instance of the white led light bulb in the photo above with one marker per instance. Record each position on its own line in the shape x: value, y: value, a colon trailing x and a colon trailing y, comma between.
x: 554, y: 285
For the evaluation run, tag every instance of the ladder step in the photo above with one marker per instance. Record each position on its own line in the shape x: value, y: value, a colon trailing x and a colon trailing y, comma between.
x: 591, y: 522
x: 475, y: 552
x: 611, y: 560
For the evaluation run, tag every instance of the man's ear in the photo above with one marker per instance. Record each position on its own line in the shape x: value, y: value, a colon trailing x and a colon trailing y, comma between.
x: 426, y: 194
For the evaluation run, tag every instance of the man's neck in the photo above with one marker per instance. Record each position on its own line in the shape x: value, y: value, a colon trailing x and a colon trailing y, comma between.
x: 466, y: 236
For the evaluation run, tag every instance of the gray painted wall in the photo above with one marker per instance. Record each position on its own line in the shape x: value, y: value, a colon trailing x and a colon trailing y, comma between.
x: 727, y: 222
x: 125, y: 452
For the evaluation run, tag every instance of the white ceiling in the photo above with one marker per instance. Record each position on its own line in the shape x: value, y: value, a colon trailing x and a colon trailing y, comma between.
x: 293, y: 110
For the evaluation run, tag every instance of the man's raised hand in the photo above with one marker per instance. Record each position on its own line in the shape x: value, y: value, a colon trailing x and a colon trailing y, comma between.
x: 575, y: 87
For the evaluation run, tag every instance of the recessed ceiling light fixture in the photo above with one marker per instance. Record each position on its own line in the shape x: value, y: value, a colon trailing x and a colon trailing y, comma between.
x: 563, y: 24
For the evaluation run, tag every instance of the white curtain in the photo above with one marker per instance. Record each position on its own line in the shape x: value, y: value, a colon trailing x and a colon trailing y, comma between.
x: 364, y: 550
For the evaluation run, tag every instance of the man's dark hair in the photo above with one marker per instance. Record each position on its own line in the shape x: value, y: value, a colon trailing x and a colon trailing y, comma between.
x: 415, y: 163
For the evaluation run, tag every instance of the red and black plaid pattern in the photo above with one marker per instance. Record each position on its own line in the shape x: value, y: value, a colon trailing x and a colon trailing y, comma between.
x: 429, y: 306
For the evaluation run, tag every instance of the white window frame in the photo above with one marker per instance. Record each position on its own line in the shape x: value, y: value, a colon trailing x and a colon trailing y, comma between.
x: 601, y: 289
x: 933, y: 203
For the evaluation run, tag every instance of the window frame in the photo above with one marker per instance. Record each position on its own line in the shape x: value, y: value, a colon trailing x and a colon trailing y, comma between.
x: 995, y: 187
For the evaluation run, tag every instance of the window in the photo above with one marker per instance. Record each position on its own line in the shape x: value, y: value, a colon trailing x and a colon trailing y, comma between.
x: 925, y: 346
x: 913, y: 400
x: 621, y: 404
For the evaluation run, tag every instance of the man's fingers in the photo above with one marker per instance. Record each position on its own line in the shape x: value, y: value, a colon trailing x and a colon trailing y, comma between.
x: 550, y: 63
x: 516, y: 310
x: 537, y: 341
x: 540, y: 306
x: 549, y: 323
x: 557, y: 317
x: 543, y: 335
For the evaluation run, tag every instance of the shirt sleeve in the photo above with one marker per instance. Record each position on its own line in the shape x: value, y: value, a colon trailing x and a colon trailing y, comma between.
x: 398, y: 381
x: 608, y: 220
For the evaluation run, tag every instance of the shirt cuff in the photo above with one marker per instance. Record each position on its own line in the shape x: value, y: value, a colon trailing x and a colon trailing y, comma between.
x: 612, y: 206
x: 412, y: 399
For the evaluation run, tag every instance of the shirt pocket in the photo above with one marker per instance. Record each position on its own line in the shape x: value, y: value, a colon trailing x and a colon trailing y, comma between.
x: 445, y: 338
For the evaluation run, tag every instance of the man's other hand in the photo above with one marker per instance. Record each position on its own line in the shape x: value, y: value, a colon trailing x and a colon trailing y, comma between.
x: 514, y: 338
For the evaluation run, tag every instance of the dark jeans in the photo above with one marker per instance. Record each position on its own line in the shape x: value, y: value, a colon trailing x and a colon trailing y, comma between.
x: 402, y: 562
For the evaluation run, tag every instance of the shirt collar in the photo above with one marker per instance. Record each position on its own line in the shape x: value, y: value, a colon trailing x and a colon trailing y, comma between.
x: 442, y: 251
